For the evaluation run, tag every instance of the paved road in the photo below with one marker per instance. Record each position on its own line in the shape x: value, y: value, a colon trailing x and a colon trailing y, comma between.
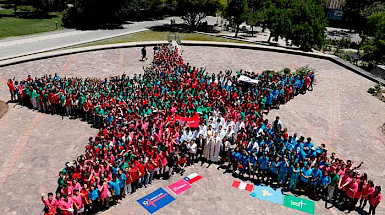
x: 18, y: 46
x: 37, y: 43
x: 25, y: 45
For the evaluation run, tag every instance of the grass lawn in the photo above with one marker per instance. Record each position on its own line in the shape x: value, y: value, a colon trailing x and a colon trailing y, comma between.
x: 150, y: 35
x: 16, y: 26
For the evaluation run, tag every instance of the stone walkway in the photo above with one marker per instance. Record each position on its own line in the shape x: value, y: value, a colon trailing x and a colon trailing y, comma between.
x: 35, y: 146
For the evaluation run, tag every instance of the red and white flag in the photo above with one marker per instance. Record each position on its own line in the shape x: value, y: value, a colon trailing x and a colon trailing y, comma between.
x: 243, y: 185
x: 192, y: 178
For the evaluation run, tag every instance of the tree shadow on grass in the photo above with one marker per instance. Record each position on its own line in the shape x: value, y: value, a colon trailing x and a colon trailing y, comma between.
x: 29, y: 15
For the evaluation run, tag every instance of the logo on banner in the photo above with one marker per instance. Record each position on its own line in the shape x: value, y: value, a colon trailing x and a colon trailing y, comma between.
x: 156, y: 200
x: 268, y: 194
x: 299, y: 204
x: 179, y: 187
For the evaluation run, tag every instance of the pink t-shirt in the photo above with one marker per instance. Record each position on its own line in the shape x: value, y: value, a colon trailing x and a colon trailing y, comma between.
x: 367, y: 191
x: 104, y: 191
x: 353, y: 188
x: 51, y: 204
x: 374, y: 201
x: 78, y: 200
x: 65, y: 205
x: 344, y: 181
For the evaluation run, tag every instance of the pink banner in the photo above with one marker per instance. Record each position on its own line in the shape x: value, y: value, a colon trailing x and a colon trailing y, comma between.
x: 179, y: 187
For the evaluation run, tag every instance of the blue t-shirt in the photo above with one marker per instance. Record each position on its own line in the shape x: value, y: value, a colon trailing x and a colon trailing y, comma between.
x: 264, y: 162
x: 316, y: 173
x: 115, y: 186
x: 123, y: 180
x: 252, y: 160
x: 93, y: 194
x: 244, y: 160
x: 309, y: 145
x: 273, y: 167
x: 237, y: 156
x: 325, y: 180
x: 294, y: 175
x: 306, y: 172
x: 283, y: 166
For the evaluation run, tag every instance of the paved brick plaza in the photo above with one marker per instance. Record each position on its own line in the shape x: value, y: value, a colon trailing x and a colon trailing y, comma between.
x: 35, y: 146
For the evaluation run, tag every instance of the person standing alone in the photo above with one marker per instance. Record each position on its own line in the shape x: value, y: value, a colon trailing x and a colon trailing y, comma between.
x: 144, y: 53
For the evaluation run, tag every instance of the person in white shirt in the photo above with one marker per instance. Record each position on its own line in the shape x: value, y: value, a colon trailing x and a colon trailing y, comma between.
x: 240, y: 124
x: 229, y: 132
x: 221, y: 132
x: 196, y: 134
x: 192, y: 150
x: 203, y: 130
x: 231, y: 123
x: 187, y: 135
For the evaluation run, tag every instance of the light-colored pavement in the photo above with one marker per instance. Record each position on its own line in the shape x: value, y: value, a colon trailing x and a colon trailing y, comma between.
x: 339, y: 113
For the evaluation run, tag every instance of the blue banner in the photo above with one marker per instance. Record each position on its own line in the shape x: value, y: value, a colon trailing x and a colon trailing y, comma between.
x: 268, y: 194
x: 156, y: 200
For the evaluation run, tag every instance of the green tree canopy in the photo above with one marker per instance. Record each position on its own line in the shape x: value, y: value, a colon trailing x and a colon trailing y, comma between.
x: 193, y: 11
x: 302, y: 21
x: 374, y: 47
x: 236, y: 12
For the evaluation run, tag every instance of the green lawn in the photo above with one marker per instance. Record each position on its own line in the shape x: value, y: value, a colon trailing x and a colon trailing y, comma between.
x: 150, y: 35
x: 15, y: 26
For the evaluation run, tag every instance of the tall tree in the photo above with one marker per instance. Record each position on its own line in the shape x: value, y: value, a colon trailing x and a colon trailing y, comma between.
x: 374, y: 47
x: 193, y: 11
x: 308, y: 25
x: 236, y: 12
x: 301, y: 21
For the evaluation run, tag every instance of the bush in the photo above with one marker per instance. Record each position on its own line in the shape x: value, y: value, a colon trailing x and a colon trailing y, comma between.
x: 286, y: 71
x: 304, y: 70
x: 371, y: 90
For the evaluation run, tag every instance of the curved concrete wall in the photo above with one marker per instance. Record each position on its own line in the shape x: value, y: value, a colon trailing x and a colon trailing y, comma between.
x: 331, y: 58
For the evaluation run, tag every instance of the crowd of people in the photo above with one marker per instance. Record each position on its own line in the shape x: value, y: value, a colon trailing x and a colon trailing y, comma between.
x: 141, y: 136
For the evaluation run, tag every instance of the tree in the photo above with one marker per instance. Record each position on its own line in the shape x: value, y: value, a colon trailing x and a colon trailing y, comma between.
x: 301, y: 21
x: 374, y: 47
x: 236, y: 12
x: 98, y: 13
x: 308, y: 24
x: 278, y: 18
x: 255, y: 13
x: 252, y: 19
x: 193, y: 11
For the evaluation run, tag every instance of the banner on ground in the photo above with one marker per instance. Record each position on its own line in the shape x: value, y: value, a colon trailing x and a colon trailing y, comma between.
x: 268, y: 194
x: 156, y: 200
x: 300, y: 204
x: 242, y: 185
x: 246, y: 79
x: 193, y: 121
x: 192, y: 178
x: 179, y: 187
